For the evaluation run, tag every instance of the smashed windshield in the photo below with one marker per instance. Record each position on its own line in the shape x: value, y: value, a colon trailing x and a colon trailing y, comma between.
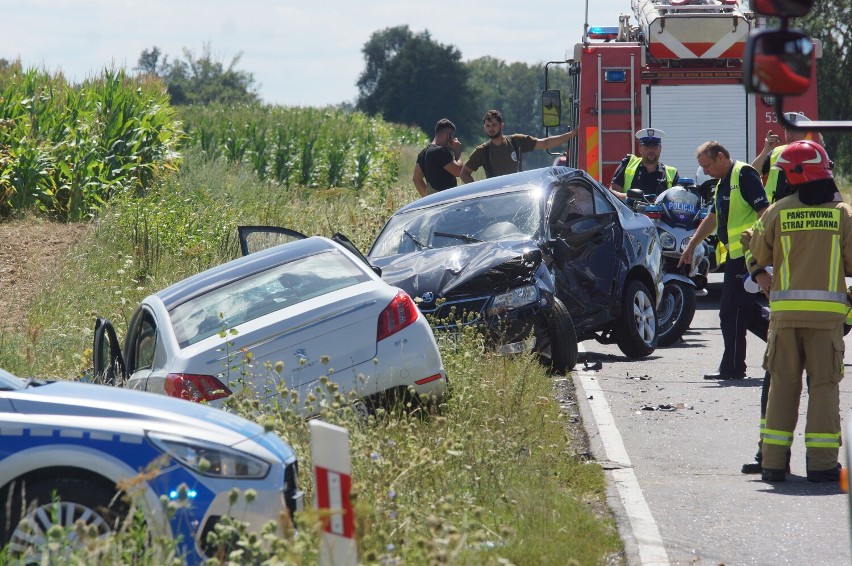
x: 505, y: 216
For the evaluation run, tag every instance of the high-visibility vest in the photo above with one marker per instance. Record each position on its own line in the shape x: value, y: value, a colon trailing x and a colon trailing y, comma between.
x: 741, y: 215
x: 772, y: 178
x: 633, y: 166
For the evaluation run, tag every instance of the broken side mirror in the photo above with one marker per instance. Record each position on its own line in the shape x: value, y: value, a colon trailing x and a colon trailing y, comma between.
x: 551, y: 108
x: 778, y: 62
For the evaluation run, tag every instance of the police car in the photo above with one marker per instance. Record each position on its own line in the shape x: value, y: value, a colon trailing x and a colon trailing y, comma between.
x: 66, y: 446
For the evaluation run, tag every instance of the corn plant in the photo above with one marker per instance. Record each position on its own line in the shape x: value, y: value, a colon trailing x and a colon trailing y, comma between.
x: 70, y: 147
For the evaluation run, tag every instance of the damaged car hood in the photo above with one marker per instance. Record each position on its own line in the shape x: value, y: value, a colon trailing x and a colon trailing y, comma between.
x: 444, y: 270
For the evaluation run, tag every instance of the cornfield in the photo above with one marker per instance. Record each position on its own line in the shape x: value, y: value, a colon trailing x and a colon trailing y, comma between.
x: 65, y: 149
x: 308, y: 147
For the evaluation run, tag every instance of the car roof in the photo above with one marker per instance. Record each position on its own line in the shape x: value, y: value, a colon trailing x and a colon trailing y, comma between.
x: 495, y: 185
x: 242, y: 267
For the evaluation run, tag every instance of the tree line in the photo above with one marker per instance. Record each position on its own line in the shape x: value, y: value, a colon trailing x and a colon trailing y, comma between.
x: 411, y: 79
x: 408, y: 78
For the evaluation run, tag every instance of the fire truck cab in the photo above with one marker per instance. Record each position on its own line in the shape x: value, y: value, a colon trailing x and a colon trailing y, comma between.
x: 680, y: 70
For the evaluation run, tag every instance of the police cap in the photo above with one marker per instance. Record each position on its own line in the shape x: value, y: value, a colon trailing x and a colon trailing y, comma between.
x: 650, y: 136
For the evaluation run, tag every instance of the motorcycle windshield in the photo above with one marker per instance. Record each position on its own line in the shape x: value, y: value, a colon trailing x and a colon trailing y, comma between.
x: 680, y: 207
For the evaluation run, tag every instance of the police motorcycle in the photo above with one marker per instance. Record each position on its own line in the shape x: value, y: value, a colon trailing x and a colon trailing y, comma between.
x: 676, y: 213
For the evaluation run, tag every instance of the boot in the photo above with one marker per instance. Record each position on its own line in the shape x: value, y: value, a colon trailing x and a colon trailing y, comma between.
x: 756, y: 468
x: 773, y: 476
x: 832, y: 474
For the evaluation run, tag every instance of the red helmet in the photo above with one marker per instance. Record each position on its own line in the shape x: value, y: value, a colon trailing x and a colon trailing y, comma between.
x: 804, y: 161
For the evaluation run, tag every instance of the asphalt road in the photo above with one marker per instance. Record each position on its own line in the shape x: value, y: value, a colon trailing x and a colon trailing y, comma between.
x: 676, y: 486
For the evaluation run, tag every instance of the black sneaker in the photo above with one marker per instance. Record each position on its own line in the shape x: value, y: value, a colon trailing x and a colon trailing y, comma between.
x: 832, y: 474
x: 722, y: 376
x: 773, y: 476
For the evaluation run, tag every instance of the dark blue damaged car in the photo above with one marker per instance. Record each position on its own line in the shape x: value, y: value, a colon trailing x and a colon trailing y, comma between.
x: 539, y: 260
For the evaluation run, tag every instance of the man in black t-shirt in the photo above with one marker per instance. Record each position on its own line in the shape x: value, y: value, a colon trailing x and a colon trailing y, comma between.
x: 439, y: 163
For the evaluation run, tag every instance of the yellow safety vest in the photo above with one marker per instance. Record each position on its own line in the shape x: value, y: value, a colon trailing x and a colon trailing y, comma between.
x: 772, y: 177
x: 633, y: 166
x: 741, y: 215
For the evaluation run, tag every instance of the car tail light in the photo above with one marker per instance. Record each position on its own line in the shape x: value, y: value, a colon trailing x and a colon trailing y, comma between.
x: 397, y: 315
x: 195, y: 387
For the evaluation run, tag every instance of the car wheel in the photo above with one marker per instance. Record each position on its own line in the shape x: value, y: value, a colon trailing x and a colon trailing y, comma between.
x: 636, y: 328
x: 675, y: 313
x: 557, y: 347
x: 58, y: 502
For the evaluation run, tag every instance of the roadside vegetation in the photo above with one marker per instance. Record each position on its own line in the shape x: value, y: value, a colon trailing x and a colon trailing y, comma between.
x: 490, y: 476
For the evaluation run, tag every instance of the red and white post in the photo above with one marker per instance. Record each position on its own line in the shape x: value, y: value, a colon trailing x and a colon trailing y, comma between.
x: 332, y: 484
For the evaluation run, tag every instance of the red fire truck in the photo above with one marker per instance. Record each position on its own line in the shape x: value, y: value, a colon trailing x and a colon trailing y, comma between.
x: 679, y: 70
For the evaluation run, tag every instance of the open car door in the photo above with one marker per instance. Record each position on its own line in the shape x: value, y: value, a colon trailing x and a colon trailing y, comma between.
x: 256, y: 238
x: 107, y: 359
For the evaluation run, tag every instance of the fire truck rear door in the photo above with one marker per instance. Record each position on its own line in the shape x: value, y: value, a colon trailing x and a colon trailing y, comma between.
x: 693, y: 114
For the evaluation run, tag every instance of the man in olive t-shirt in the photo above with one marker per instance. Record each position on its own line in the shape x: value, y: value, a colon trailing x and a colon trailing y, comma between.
x: 501, y: 154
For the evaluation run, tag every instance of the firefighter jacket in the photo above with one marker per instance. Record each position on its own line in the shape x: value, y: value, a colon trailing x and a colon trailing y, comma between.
x: 810, y: 248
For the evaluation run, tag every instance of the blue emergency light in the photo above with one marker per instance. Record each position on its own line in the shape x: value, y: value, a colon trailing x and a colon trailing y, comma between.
x: 601, y: 32
x: 615, y: 75
x: 175, y: 494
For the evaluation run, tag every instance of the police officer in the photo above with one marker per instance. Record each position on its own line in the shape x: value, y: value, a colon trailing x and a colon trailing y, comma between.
x: 739, y: 201
x: 807, y: 237
x: 644, y: 171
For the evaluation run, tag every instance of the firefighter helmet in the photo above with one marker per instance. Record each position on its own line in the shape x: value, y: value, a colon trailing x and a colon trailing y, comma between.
x: 804, y: 161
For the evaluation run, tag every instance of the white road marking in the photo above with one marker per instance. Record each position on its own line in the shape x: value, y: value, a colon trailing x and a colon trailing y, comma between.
x: 645, y: 531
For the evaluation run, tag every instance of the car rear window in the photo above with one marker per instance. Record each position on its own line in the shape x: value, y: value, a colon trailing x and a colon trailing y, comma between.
x: 254, y: 296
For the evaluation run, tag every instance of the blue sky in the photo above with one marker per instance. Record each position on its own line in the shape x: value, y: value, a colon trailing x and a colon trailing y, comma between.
x: 301, y: 53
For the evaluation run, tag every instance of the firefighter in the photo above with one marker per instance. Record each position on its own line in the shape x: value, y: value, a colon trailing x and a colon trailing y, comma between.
x: 807, y: 237
x: 776, y: 188
x: 739, y: 201
x: 644, y: 171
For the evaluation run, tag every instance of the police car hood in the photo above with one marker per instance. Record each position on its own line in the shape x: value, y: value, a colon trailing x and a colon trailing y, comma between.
x: 132, y: 411
x: 444, y: 270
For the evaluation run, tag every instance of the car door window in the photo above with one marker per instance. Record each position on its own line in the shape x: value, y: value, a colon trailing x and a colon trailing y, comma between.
x: 143, y: 344
x: 570, y: 203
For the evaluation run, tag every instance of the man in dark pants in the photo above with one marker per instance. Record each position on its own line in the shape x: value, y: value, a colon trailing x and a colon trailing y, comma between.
x: 760, y: 328
x: 740, y: 200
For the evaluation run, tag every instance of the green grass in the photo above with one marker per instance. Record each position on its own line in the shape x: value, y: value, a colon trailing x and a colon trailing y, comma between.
x: 488, y: 477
